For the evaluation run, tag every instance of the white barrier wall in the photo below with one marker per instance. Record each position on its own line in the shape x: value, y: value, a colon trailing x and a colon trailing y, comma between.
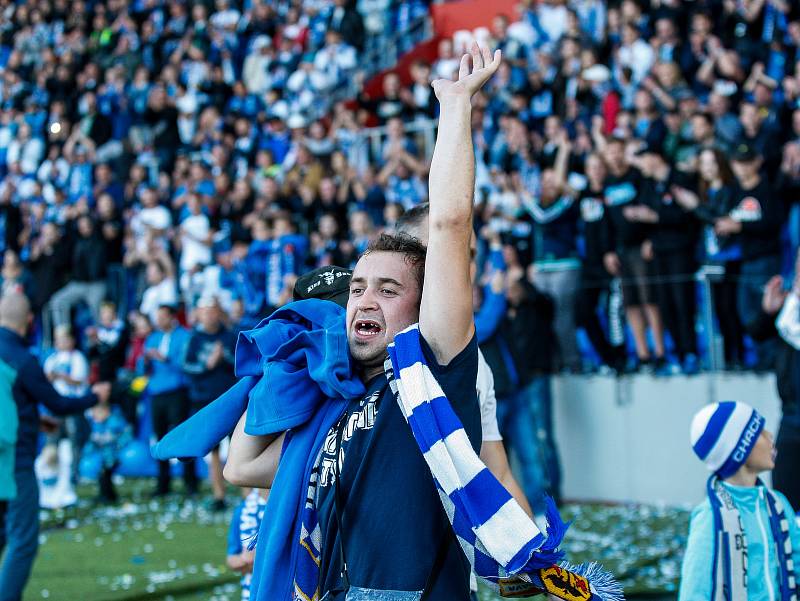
x: 627, y: 439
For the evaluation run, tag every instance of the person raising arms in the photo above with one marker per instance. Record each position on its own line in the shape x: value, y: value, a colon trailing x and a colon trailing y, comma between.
x: 392, y: 537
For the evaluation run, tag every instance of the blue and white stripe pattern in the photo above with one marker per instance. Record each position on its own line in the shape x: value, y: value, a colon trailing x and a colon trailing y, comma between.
x: 729, y: 572
x: 496, y: 535
x: 723, y: 435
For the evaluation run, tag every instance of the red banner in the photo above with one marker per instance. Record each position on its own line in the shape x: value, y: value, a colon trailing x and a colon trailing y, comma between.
x: 469, y: 14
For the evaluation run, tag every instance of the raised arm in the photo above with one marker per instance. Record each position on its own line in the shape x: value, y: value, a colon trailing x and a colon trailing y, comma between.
x: 446, y: 310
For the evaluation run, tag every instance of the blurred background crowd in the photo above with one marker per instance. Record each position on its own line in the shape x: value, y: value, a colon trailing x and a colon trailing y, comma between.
x: 168, y: 170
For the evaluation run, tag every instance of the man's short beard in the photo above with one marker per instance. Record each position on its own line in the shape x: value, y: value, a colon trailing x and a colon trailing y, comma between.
x: 365, y: 357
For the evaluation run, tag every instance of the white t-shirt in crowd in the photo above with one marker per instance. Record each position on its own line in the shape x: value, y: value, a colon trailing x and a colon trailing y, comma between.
x: 444, y: 68
x: 157, y: 218
x: 193, y: 252
x: 554, y: 20
x: 72, y: 364
x: 490, y: 431
x: 163, y: 293
x: 788, y: 322
x: 225, y: 19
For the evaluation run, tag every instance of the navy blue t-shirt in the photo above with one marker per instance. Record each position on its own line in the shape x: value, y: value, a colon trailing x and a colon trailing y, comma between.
x: 393, y: 519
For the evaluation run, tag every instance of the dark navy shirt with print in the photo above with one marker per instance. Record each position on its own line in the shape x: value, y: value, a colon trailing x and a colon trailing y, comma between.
x: 393, y: 519
x: 620, y: 192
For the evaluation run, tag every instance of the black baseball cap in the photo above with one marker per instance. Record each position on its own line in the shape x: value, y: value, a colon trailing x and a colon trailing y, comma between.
x: 744, y: 152
x: 327, y: 283
x: 649, y: 148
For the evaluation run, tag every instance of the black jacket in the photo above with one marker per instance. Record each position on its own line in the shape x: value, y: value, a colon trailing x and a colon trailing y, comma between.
x: 101, y: 130
x: 165, y: 127
x: 620, y: 192
x: 719, y: 203
x: 109, y: 351
x: 89, y: 262
x: 595, y: 233
x: 350, y: 26
x: 760, y: 211
x: 49, y: 272
x: 12, y: 225
x: 524, y: 344
x: 677, y: 229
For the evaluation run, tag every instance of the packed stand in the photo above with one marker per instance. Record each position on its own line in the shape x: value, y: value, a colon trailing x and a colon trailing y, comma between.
x: 627, y: 150
x: 163, y: 173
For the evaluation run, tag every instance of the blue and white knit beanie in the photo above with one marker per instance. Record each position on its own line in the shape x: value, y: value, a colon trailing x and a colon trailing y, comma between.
x: 723, y: 435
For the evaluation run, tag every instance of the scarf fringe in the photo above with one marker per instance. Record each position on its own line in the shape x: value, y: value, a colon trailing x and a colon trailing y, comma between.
x: 251, y: 544
x: 549, y: 553
x: 604, y: 585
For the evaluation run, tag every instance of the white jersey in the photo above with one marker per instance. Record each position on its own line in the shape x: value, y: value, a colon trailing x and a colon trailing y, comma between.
x: 195, y: 251
x: 72, y: 364
x: 490, y: 431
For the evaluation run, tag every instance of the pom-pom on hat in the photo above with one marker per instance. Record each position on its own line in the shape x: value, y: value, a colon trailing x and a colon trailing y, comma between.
x: 723, y: 435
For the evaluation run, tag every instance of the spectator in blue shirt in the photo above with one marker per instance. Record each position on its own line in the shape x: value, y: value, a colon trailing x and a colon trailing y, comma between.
x: 109, y: 435
x: 209, y: 366
x: 245, y: 523
x: 169, y: 401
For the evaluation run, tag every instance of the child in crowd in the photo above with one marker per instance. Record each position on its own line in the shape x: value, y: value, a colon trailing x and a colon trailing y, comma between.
x: 68, y: 371
x: 245, y: 523
x: 744, y: 542
x: 106, y: 343
x: 109, y: 435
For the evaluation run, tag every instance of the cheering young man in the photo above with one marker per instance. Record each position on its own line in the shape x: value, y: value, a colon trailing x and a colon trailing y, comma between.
x: 388, y: 534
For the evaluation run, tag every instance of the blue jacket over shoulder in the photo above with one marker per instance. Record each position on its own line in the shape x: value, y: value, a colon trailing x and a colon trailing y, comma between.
x: 295, y: 375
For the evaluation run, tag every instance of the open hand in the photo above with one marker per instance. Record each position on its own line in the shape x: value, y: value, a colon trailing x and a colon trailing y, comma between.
x: 48, y: 424
x: 774, y: 295
x: 727, y: 226
x: 612, y: 263
x: 483, y: 67
x: 686, y: 198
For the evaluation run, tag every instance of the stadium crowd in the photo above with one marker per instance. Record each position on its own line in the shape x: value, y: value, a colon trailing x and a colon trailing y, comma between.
x: 156, y: 153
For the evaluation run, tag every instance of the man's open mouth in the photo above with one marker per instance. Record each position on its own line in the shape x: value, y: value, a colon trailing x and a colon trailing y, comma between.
x: 367, y: 328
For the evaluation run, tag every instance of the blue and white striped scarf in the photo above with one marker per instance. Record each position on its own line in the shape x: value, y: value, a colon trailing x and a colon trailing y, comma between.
x: 729, y: 581
x: 498, y: 538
